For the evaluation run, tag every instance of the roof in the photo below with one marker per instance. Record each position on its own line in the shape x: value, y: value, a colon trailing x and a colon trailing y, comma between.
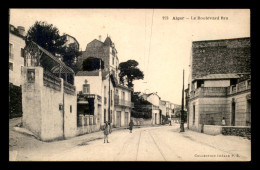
x: 218, y: 77
x: 108, y: 41
x: 56, y: 68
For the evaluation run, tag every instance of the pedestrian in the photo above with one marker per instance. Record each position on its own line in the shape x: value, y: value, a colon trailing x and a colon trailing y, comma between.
x: 223, y: 122
x: 110, y: 127
x: 131, y: 124
x: 106, y: 132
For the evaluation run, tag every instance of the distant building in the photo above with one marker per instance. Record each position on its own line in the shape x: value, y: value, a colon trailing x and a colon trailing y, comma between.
x: 154, y: 99
x: 220, y: 83
x: 16, y: 53
x: 71, y: 41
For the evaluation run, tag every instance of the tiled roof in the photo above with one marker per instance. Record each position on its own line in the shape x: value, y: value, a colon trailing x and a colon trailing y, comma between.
x: 217, y: 76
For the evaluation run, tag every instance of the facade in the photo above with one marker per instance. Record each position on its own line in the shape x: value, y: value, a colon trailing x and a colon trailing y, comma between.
x: 220, y: 83
x: 49, y: 102
x: 16, y: 54
x: 154, y: 99
x: 115, y: 106
x: 71, y: 41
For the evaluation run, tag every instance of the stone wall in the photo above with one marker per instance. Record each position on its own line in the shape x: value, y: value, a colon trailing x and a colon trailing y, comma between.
x: 237, y: 131
x: 142, y: 122
x: 221, y: 57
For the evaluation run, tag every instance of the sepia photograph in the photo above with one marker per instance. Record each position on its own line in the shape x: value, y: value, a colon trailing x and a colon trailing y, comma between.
x: 153, y: 85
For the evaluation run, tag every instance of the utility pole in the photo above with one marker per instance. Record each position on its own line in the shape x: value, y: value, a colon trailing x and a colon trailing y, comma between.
x: 109, y: 94
x: 182, y: 107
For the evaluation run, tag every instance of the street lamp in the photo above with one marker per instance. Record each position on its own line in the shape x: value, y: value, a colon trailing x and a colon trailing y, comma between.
x: 182, y: 106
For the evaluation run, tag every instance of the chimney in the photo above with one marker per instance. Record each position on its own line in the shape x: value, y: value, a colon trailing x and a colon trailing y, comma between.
x: 99, y: 37
x: 21, y: 30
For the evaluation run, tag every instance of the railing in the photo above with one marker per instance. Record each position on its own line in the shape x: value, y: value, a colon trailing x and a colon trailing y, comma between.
x: 120, y: 102
x: 69, y: 88
x: 87, y: 120
x: 155, y: 107
x: 11, y: 55
x: 242, y: 86
x: 209, y: 91
x: 49, y: 80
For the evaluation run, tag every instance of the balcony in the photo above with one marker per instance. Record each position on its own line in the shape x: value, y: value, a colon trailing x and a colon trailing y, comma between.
x: 85, y: 97
x: 209, y: 92
x: 121, y: 102
x: 242, y: 86
x: 220, y: 91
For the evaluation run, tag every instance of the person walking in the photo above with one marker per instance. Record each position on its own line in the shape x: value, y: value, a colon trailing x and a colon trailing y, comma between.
x: 106, y: 132
x: 131, y: 124
x: 223, y: 122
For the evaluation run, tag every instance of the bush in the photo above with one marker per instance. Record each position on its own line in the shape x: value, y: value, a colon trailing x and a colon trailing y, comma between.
x: 15, y: 101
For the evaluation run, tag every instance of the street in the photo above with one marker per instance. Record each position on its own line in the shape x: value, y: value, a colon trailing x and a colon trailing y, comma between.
x: 161, y: 143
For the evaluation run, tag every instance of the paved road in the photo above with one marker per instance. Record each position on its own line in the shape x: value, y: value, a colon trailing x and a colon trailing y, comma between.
x: 163, y: 143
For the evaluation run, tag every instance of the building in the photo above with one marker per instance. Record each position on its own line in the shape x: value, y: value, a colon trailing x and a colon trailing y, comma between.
x: 16, y: 53
x: 49, y: 100
x: 71, y: 41
x: 154, y: 99
x: 219, y: 83
x: 102, y: 80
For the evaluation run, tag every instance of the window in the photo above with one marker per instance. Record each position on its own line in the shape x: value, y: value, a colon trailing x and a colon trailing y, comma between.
x: 105, y: 91
x: 70, y: 109
x: 104, y: 115
x: 10, y: 47
x: 86, y: 89
x: 113, y: 60
x: 193, y: 114
x: 11, y: 55
x: 123, y: 95
x: 22, y: 52
x: 11, y: 66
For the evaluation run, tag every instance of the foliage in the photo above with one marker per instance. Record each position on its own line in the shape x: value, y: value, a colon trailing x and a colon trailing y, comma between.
x: 165, y: 119
x: 139, y: 111
x: 143, y: 114
x: 48, y: 37
x: 15, y: 101
x: 131, y: 71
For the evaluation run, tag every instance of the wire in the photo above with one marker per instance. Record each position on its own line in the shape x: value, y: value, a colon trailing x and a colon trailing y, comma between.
x: 150, y: 42
x: 145, y: 42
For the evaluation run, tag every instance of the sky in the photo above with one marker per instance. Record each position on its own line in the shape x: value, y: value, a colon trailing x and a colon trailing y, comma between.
x: 161, y: 46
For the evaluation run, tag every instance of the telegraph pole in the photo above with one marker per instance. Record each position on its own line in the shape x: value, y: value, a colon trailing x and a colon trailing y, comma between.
x: 109, y: 94
x: 182, y: 107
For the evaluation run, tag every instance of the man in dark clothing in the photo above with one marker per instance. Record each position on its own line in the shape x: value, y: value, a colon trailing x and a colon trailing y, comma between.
x: 131, y: 124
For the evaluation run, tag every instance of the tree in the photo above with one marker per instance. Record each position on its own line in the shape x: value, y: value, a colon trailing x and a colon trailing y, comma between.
x: 47, y: 36
x: 70, y: 55
x: 131, y: 71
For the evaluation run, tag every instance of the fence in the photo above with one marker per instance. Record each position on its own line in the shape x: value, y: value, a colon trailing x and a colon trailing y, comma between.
x: 51, y: 81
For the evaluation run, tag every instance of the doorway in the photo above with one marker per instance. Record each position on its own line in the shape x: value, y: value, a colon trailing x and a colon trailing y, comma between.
x: 118, y: 118
x: 126, y: 118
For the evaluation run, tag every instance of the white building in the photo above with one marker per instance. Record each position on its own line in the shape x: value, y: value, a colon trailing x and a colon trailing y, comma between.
x: 16, y: 54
